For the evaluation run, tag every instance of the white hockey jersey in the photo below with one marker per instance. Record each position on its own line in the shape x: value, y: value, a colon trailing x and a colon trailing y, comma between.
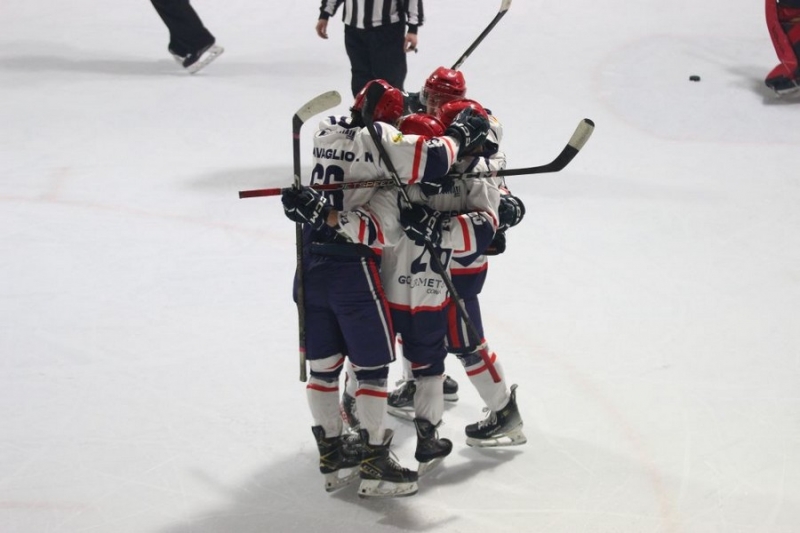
x: 416, y: 159
x: 410, y: 282
x: 470, y: 195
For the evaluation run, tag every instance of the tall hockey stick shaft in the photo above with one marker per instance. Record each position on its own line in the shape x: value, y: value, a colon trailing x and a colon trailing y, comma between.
x: 312, y: 107
x: 374, y: 93
x: 579, y: 138
x: 504, y: 5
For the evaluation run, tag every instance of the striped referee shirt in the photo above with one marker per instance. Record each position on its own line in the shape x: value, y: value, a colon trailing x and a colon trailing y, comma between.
x: 367, y: 14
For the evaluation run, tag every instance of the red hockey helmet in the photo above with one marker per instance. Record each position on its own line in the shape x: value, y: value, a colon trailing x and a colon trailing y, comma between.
x: 421, y: 124
x: 448, y: 111
x: 443, y: 85
x: 390, y: 106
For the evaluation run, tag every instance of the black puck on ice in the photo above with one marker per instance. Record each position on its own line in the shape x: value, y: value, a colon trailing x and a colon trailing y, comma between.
x: 694, y: 77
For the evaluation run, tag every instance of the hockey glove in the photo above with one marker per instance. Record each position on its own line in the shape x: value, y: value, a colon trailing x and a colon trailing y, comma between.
x: 469, y: 129
x: 511, y: 211
x: 422, y: 224
x: 498, y: 244
x: 306, y: 206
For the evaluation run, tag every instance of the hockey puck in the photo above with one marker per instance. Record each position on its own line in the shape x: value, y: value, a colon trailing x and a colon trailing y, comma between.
x: 694, y: 77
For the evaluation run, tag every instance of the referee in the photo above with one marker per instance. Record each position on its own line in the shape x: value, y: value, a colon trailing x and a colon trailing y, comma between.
x: 375, y: 37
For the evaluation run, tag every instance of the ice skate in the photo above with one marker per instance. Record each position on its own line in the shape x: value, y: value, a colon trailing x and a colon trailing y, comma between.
x: 450, y: 387
x: 381, y: 476
x: 196, y: 61
x: 782, y: 81
x: 431, y: 450
x: 499, y: 428
x: 179, y: 59
x: 401, y: 400
x: 347, y: 408
x: 338, y: 459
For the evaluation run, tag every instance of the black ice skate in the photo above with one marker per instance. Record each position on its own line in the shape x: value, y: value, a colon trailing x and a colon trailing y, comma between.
x: 381, y: 475
x: 401, y: 400
x: 199, y: 59
x: 347, y: 408
x: 338, y: 459
x: 179, y: 59
x: 450, y: 387
x: 431, y: 450
x: 500, y: 428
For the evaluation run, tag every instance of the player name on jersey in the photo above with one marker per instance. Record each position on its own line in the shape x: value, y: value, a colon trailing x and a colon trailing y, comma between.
x: 333, y: 153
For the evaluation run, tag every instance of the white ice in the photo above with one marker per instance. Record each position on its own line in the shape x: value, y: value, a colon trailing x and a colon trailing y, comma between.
x: 648, y: 305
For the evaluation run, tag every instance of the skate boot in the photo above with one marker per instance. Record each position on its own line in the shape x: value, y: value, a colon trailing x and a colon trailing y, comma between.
x: 431, y: 450
x: 199, y: 59
x: 179, y: 58
x: 338, y: 459
x: 381, y: 475
x: 450, y: 389
x: 401, y: 400
x: 347, y: 408
x: 782, y: 81
x: 499, y: 428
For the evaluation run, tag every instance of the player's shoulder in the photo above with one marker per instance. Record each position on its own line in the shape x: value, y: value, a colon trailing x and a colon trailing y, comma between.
x: 334, y: 124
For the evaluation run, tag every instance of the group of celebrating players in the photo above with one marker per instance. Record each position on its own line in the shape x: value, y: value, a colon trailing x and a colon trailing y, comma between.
x: 375, y: 271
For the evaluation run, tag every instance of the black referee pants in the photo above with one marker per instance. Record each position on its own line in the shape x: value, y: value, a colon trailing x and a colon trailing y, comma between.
x: 186, y: 31
x: 376, y: 53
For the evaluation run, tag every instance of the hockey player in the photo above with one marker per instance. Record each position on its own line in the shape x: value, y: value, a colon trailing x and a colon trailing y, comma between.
x: 503, y: 425
x: 443, y: 85
x: 345, y: 309
x: 426, y: 126
x: 415, y: 290
x: 783, y: 21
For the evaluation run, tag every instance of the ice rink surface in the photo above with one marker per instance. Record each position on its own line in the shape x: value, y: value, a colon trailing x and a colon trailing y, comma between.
x: 648, y: 306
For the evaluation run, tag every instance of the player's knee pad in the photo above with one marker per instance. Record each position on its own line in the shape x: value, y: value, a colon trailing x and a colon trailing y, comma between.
x: 374, y: 384
x: 372, y: 373
x: 432, y: 369
x: 469, y: 356
x: 328, y: 368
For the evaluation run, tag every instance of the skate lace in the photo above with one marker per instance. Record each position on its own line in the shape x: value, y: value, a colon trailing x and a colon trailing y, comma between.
x: 490, y: 419
x: 390, y: 460
x: 394, y: 461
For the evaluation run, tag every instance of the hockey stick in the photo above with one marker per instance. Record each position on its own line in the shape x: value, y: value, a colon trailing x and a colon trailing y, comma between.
x: 374, y: 93
x: 314, y: 106
x: 504, y: 5
x: 338, y: 186
x: 576, y: 142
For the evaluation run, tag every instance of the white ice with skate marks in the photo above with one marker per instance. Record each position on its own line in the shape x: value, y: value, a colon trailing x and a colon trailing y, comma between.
x: 647, y: 305
x: 653, y: 72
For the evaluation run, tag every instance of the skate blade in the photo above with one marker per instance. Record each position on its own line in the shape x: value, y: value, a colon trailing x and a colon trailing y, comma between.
x: 514, y: 437
x: 425, y: 468
x: 406, y: 413
x: 210, y: 55
x: 787, y: 92
x: 376, y: 488
x: 341, y: 478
